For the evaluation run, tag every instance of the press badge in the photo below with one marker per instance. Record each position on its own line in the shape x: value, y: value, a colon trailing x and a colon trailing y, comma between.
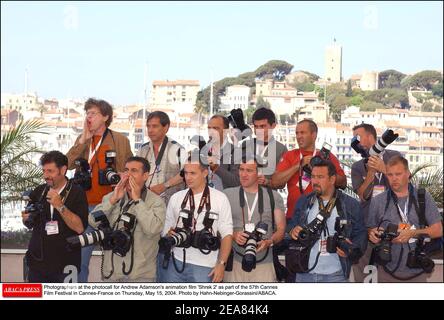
x: 378, y: 189
x: 323, y: 247
x: 52, y: 227
x: 412, y: 240
x: 249, y: 227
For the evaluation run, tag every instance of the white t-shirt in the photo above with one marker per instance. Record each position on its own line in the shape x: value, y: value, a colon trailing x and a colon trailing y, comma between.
x: 224, y: 225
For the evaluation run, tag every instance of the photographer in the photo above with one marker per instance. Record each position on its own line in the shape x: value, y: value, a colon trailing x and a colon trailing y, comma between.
x: 92, y: 146
x: 329, y: 231
x: 221, y: 155
x: 191, y: 213
x: 254, y: 234
x: 57, y: 209
x: 164, y: 156
x: 368, y: 180
x: 132, y: 199
x: 400, y: 205
x: 290, y: 169
x: 264, y: 146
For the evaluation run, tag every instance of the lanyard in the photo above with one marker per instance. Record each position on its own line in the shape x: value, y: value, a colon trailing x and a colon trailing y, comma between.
x: 251, y: 210
x: 404, y: 214
x: 158, y: 159
x: 204, y: 201
x: 51, y: 208
x: 93, y: 152
x: 378, y: 176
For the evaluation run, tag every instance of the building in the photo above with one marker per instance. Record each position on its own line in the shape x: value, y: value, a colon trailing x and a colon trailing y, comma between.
x: 237, y: 96
x: 179, y: 94
x: 19, y: 102
x: 369, y: 81
x: 316, y: 112
x: 333, y: 63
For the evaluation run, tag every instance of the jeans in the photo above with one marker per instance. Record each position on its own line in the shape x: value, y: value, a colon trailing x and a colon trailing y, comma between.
x: 316, y: 277
x: 86, y: 254
x: 38, y: 276
x: 191, y: 273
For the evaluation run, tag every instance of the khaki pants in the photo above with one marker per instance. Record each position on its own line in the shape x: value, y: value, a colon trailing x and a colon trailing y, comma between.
x: 264, y: 272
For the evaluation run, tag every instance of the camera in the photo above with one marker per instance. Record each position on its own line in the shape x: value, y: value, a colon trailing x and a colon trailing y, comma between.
x: 82, y: 175
x: 309, y: 234
x: 33, y: 208
x: 237, y: 121
x: 249, y: 258
x: 182, y: 236
x: 119, y: 241
x: 417, y: 257
x: 384, y: 249
x: 204, y: 239
x: 109, y: 176
x: 324, y: 154
x: 338, y: 240
x: 387, y: 138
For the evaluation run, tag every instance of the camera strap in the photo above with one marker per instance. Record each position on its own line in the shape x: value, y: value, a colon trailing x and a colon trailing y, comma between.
x: 204, y: 201
x: 93, y: 150
x: 301, y: 172
x: 403, y: 215
x: 244, y: 201
x: 158, y: 158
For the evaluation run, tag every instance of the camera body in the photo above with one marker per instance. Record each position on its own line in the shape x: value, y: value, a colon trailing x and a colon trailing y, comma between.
x: 82, y: 175
x: 182, y: 237
x: 338, y: 240
x: 387, y: 138
x: 417, y: 257
x: 324, y: 154
x: 310, y: 233
x: 384, y: 249
x: 237, y: 121
x: 33, y: 208
x: 204, y: 239
x: 119, y: 241
x: 249, y: 258
x: 109, y: 176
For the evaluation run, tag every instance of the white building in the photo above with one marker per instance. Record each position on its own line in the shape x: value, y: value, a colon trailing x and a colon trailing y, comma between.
x: 369, y: 81
x: 179, y: 94
x: 237, y: 96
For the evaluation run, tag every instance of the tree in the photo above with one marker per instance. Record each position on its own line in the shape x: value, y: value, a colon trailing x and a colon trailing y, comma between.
x: 18, y: 172
x: 423, y: 80
x: 276, y: 68
x: 437, y: 89
x: 371, y: 106
x: 431, y: 180
x: 389, y: 97
x: 338, y: 104
x: 304, y: 86
x: 261, y: 103
x: 349, y: 92
x: 437, y: 108
x: 356, y: 100
x: 427, y: 106
x: 390, y: 79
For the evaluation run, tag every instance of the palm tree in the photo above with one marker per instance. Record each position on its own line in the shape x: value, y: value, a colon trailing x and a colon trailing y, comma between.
x: 18, y: 172
x: 431, y: 180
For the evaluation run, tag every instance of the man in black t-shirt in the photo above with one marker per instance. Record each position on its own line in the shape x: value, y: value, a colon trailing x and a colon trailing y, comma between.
x: 56, y: 211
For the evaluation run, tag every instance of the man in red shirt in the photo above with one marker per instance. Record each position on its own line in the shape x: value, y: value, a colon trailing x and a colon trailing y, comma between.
x: 289, y: 170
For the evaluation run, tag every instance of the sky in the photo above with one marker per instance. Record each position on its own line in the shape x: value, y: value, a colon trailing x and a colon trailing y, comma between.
x: 83, y: 49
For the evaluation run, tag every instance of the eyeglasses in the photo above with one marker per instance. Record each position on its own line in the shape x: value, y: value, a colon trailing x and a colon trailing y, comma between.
x: 92, y: 113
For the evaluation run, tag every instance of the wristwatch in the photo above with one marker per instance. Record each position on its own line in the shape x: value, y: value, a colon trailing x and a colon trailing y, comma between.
x: 222, y: 262
x: 61, y: 209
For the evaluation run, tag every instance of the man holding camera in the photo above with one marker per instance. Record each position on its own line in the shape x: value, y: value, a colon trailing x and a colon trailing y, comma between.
x: 267, y: 150
x: 96, y: 145
x: 198, y: 230
x: 290, y: 169
x: 368, y: 180
x: 221, y: 155
x: 139, y: 214
x: 57, y: 210
x: 328, y: 230
x: 254, y: 226
x: 165, y: 156
x: 399, y: 220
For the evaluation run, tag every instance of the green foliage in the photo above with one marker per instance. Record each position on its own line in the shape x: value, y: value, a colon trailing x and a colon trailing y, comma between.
x: 427, y: 106
x: 430, y: 179
x: 437, y: 89
x: 349, y: 92
x: 437, y: 108
x: 371, y: 106
x: 422, y: 80
x: 261, y: 103
x: 15, y: 239
x: 338, y: 104
x: 356, y: 100
x: 392, y: 98
x: 274, y: 69
x: 390, y: 79
x: 18, y: 172
x: 305, y: 86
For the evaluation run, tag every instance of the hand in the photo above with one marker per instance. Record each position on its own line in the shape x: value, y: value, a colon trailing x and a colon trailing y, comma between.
x: 158, y: 188
x: 119, y: 190
x: 341, y: 252
x: 306, y: 160
x: 217, y: 273
x: 240, y: 237
x: 404, y: 236
x: 171, y: 232
x: 136, y: 190
x: 376, y: 163
x: 54, y: 198
x: 263, y: 244
x: 86, y: 133
x: 262, y: 180
x: 212, y: 162
x: 373, y: 235
x: 294, y: 233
